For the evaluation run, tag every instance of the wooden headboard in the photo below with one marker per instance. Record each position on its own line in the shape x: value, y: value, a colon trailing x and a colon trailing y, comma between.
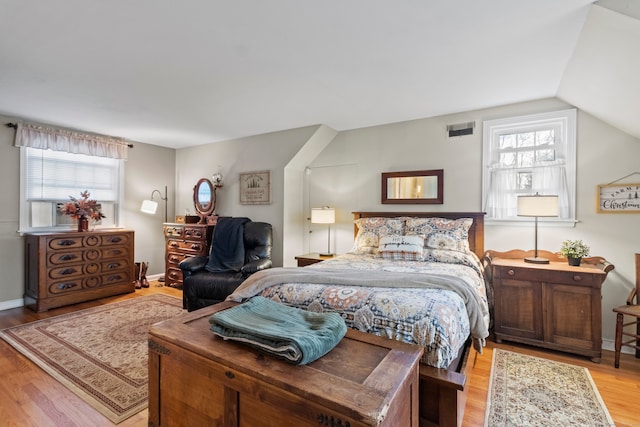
x: 476, y: 231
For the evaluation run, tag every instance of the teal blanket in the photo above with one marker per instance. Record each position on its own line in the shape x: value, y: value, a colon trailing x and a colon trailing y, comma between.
x: 292, y: 334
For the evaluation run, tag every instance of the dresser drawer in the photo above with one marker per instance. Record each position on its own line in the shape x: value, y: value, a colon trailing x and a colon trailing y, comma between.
x: 65, y: 258
x: 115, y: 239
x: 195, y: 233
x: 187, y: 246
x: 175, y: 258
x: 173, y: 277
x: 549, y: 276
x: 64, y: 243
x: 173, y: 231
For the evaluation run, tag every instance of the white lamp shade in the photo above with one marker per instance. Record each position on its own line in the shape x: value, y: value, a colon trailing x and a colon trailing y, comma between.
x: 538, y: 205
x: 323, y: 216
x: 149, y: 207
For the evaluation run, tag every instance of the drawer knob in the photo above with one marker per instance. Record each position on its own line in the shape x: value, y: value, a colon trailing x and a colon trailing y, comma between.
x: 329, y: 420
x: 511, y: 272
x: 229, y: 374
x: 577, y: 278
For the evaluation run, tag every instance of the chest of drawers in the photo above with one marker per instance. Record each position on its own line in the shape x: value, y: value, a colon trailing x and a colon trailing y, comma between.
x: 183, y: 241
x: 71, y: 267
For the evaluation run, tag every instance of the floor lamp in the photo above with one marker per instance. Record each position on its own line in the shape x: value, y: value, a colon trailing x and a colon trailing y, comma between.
x: 536, y: 206
x: 150, y: 207
x: 324, y: 215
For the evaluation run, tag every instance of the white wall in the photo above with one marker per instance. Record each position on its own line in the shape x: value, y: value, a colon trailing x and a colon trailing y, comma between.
x: 604, y: 154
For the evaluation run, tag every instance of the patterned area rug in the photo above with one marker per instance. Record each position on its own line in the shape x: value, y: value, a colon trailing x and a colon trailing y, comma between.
x: 530, y: 391
x: 99, y: 353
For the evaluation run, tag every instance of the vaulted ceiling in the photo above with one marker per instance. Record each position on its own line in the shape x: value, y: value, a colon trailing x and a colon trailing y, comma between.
x: 185, y: 73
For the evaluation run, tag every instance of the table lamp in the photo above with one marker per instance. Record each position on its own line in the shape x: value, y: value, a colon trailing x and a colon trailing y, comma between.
x: 324, y: 215
x: 536, y: 206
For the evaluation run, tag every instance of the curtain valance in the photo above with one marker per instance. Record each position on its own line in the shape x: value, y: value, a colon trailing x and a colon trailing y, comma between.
x: 71, y: 141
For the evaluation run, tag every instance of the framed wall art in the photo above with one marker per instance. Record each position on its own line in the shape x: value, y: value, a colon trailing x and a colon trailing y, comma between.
x: 619, y: 198
x: 255, y: 188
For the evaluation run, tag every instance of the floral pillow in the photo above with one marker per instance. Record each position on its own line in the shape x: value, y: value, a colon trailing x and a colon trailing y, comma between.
x: 441, y: 233
x: 406, y: 248
x: 370, y: 230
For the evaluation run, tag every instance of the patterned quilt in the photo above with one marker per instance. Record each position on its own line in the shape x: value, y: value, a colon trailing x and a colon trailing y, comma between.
x: 435, y: 319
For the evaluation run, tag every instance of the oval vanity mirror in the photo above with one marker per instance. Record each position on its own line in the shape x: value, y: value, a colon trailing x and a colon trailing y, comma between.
x: 204, y: 199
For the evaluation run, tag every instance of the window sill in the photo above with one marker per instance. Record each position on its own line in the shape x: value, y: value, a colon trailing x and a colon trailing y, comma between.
x: 542, y: 223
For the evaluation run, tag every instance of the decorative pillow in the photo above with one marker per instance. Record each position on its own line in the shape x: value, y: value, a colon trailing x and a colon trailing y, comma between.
x: 406, y: 248
x: 441, y: 233
x: 370, y: 230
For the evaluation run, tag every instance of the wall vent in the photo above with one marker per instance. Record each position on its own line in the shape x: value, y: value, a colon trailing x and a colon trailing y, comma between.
x: 460, y: 129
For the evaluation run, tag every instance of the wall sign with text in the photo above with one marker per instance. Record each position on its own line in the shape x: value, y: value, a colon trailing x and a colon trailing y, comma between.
x: 255, y: 188
x: 619, y: 198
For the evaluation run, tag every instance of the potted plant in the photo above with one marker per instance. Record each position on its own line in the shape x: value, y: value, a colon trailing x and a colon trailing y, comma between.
x: 574, y: 251
x: 82, y: 210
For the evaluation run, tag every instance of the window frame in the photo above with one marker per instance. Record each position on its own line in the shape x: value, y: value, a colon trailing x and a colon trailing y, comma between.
x: 566, y: 122
x: 25, y: 225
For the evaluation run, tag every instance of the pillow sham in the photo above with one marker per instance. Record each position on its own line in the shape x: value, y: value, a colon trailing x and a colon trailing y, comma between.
x: 370, y: 230
x: 406, y: 248
x: 441, y: 233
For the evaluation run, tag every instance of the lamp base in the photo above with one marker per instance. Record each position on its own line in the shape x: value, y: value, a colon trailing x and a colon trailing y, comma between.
x: 537, y: 260
x: 327, y: 254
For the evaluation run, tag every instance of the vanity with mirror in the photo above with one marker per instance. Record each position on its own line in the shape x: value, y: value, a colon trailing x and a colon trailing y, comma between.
x: 186, y: 239
x: 204, y: 201
x: 413, y: 187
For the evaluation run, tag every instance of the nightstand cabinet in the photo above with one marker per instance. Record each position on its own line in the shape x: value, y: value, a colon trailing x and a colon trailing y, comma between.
x: 312, y: 258
x: 553, y: 305
x: 183, y: 241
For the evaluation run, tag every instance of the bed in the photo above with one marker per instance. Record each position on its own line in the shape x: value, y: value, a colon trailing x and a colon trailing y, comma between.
x: 412, y: 277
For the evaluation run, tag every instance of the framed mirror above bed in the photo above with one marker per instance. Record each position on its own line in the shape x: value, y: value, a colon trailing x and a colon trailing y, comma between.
x: 413, y: 187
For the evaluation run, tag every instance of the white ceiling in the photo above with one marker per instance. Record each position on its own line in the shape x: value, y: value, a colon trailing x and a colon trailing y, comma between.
x: 184, y: 73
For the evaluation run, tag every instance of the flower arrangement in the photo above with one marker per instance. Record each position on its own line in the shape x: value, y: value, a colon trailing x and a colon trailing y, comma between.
x: 574, y: 249
x: 82, y: 207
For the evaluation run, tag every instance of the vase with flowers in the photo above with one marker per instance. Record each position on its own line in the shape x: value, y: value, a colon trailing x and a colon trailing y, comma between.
x: 574, y: 250
x: 82, y: 210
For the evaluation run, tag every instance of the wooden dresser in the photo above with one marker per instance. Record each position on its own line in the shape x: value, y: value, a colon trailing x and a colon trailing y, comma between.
x: 553, y: 305
x: 183, y: 241
x: 198, y: 379
x: 71, y: 267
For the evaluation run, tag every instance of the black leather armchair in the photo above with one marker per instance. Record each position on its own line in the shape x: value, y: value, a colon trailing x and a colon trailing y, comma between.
x: 202, y: 288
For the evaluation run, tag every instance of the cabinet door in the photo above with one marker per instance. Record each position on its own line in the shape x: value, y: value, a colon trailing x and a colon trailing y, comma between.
x: 570, y: 316
x: 518, y: 310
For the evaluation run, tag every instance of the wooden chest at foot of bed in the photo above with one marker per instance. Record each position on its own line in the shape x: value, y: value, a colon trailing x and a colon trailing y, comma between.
x: 197, y: 379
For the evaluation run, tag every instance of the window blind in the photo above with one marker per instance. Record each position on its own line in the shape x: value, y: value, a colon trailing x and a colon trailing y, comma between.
x: 56, y: 175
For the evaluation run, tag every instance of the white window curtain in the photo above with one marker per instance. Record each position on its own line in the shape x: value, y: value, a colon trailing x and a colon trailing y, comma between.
x: 45, y: 137
x: 502, y: 198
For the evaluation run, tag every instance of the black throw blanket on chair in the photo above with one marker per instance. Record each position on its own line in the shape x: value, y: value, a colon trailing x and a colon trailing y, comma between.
x: 227, y: 245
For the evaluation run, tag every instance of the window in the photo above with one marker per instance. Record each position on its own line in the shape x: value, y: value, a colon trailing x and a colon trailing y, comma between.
x: 49, y: 177
x: 528, y: 155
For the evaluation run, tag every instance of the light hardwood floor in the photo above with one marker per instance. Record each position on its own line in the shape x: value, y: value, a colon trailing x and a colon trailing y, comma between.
x: 29, y: 397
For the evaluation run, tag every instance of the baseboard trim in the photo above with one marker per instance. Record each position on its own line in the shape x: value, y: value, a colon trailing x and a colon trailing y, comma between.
x: 611, y: 346
x: 6, y: 305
